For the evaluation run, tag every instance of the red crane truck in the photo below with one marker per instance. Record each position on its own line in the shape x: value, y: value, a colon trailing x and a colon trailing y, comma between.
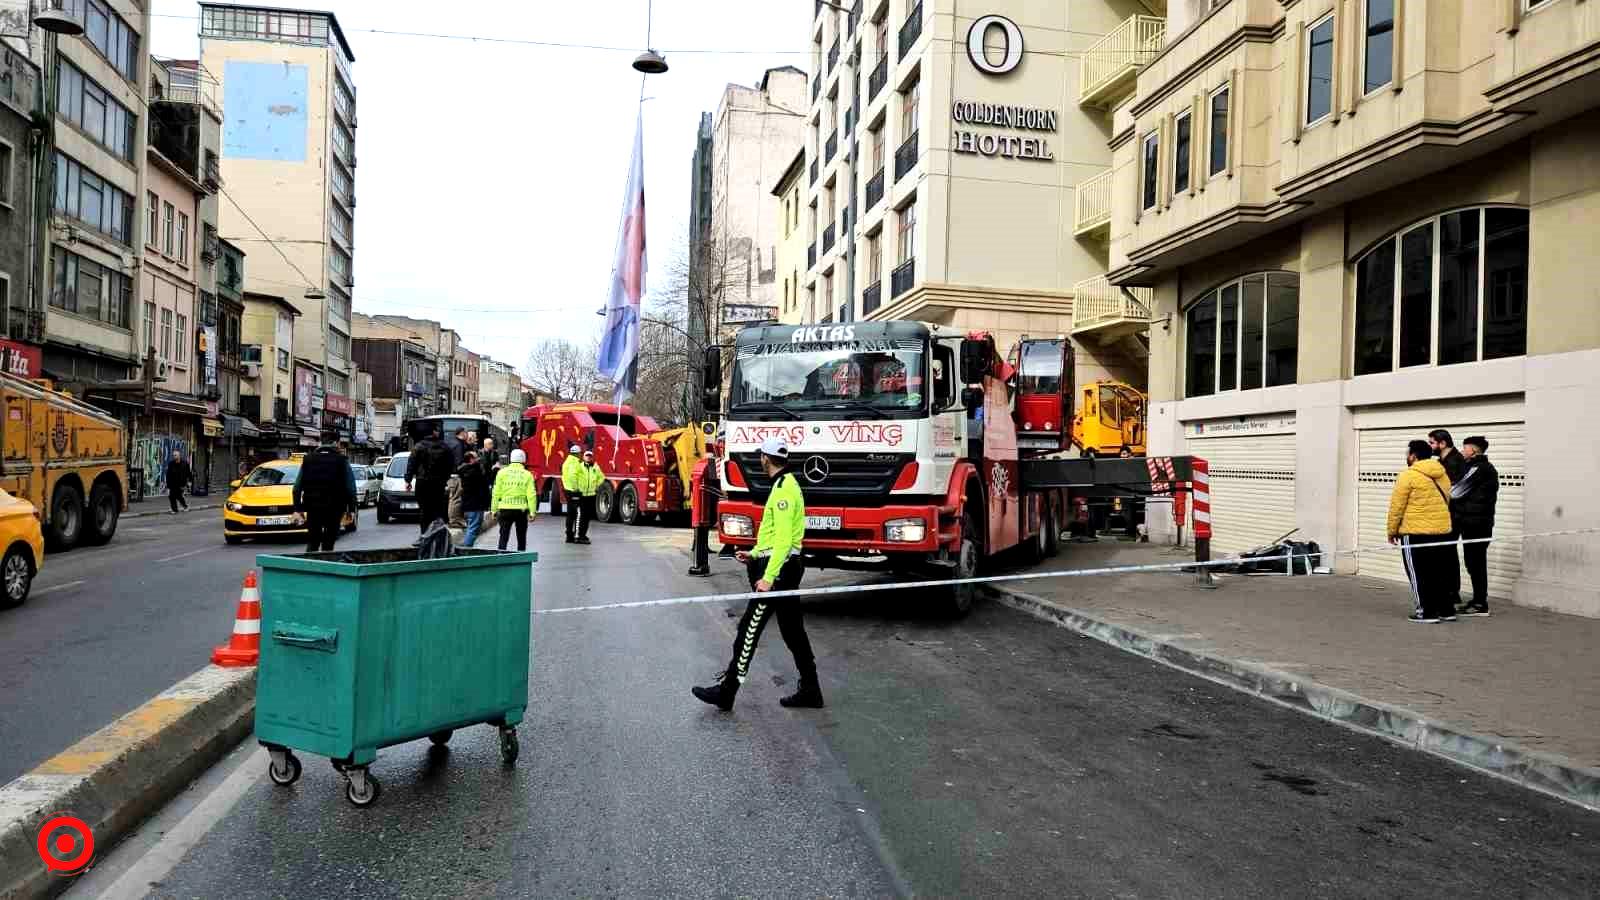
x: 646, y: 475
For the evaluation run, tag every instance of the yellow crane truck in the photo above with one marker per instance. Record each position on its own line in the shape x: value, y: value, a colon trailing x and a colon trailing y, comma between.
x: 66, y: 458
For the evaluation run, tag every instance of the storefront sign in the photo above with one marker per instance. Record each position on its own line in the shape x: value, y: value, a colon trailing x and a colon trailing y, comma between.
x: 21, y: 360
x: 340, y: 404
x: 1238, y: 426
x: 304, y: 384
x: 745, y: 314
x: 1010, y: 146
x: 208, y: 348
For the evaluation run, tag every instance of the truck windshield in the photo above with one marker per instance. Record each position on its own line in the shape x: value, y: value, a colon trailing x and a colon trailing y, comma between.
x: 888, y: 378
x: 1041, y: 368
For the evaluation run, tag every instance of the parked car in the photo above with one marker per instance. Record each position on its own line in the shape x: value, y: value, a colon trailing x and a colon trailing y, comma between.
x: 394, y: 500
x: 369, y: 480
x: 262, y: 504
x: 23, y: 541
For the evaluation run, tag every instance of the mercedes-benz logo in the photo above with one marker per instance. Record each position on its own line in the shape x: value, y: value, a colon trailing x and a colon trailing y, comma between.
x: 815, y: 469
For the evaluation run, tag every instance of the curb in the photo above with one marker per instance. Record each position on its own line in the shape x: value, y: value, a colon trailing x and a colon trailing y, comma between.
x: 115, y: 777
x: 1548, y: 773
x: 141, y: 513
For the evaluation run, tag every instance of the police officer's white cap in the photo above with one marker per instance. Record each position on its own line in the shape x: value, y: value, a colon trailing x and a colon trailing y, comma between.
x: 518, y: 456
x: 775, y: 447
x: 574, y: 449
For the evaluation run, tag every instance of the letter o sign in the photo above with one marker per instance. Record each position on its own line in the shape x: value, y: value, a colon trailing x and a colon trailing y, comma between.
x: 975, y: 48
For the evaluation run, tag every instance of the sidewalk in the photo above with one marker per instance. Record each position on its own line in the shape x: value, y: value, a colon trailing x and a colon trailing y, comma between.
x: 1517, y: 693
x: 157, y: 503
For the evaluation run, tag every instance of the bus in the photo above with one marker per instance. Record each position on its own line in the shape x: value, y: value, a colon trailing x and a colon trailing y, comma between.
x: 415, y: 429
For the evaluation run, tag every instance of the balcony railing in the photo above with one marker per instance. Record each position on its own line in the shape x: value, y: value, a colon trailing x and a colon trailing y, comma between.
x: 193, y: 95
x: 814, y: 170
x: 827, y: 238
x: 879, y: 77
x: 1101, y: 307
x: 833, y: 55
x: 905, y: 158
x: 910, y: 30
x: 811, y: 255
x: 831, y: 147
x: 901, y: 279
x: 872, y: 298
x: 816, y: 86
x: 1107, y: 68
x: 213, y: 171
x: 874, y: 189
x: 210, y: 245
x: 1094, y: 205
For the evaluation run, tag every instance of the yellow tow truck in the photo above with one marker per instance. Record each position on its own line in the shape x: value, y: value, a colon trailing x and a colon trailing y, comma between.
x: 65, y: 457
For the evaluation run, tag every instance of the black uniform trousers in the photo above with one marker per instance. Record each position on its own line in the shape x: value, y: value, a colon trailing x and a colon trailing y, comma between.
x: 702, y: 547
x: 580, y: 512
x: 791, y: 622
x: 322, y: 528
x: 432, y: 503
x: 1476, y: 556
x: 513, y: 519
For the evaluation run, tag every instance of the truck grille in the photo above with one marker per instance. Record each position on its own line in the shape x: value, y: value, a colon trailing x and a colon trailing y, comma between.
x: 851, y: 476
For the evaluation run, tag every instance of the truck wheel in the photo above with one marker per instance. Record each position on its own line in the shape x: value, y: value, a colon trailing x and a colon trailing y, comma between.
x: 1052, y: 533
x: 66, y: 518
x: 628, y: 506
x: 962, y: 596
x: 104, y: 511
x: 555, y: 500
x: 605, y: 503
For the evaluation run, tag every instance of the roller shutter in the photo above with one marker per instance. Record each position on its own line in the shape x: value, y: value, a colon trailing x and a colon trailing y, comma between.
x: 1252, y: 489
x: 1382, y: 456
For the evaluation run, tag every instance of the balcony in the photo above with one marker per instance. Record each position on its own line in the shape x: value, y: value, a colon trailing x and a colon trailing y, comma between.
x: 816, y: 86
x: 811, y: 255
x: 874, y: 189
x: 831, y: 148
x: 210, y: 244
x: 1107, y: 312
x: 1093, y: 216
x: 1108, y: 69
x: 872, y: 298
x: 905, y: 158
x: 192, y: 94
x: 878, y: 78
x: 833, y: 55
x: 814, y: 170
x: 827, y: 238
x: 212, y: 174
x: 911, y: 30
x: 903, y: 276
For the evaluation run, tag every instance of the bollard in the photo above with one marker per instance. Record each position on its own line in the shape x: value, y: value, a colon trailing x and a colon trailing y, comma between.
x: 1202, y: 554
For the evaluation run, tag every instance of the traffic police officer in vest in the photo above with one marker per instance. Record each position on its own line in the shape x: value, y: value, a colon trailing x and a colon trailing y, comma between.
x: 775, y: 564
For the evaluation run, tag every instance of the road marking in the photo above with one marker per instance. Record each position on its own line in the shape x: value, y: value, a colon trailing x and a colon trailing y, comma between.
x: 57, y: 587
x: 154, y: 866
x: 190, y: 553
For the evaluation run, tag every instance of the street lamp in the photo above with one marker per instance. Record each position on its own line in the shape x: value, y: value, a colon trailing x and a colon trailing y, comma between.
x: 649, y: 62
x: 55, y: 19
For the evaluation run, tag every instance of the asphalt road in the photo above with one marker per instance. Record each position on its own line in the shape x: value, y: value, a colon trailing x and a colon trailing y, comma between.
x: 107, y: 628
x: 995, y: 756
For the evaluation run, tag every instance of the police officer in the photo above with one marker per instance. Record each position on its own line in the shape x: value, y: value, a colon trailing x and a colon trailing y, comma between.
x: 775, y: 564
x: 572, y: 486
x: 590, y: 478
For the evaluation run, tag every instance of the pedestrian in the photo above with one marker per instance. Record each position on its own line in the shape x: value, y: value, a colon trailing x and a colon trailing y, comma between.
x: 475, y: 495
x: 430, y: 468
x: 179, y: 476
x: 324, y: 489
x: 1455, y: 465
x: 515, y: 501
x: 490, y: 457
x: 572, y: 487
x: 590, y: 480
x: 456, y: 442
x: 775, y: 564
x: 1419, y: 522
x: 1472, y: 502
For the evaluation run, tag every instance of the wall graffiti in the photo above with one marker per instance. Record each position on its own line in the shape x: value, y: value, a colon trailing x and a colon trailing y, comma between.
x: 151, y: 453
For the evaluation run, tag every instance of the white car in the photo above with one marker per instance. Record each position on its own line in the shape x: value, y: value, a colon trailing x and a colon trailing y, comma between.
x: 369, y: 479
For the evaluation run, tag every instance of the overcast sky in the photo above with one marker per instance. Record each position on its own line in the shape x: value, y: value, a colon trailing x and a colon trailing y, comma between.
x: 493, y: 172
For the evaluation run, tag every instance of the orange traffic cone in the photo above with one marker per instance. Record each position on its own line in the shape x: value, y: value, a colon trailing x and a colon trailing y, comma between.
x: 244, y: 646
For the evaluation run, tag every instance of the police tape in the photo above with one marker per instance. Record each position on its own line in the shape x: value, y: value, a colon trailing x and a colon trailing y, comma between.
x: 1188, y: 566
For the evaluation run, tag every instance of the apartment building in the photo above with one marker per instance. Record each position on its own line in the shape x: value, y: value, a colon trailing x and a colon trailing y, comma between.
x: 441, y: 343
x: 19, y: 84
x: 289, y: 165
x: 1359, y: 220
x: 500, y: 393
x: 464, y: 381
x: 790, y: 258
x: 949, y: 152
x: 266, y: 362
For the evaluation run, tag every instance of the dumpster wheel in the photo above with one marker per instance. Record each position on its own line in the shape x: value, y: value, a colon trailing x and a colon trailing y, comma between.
x: 286, y: 774
x: 509, y: 748
x: 441, y: 738
x: 362, y: 787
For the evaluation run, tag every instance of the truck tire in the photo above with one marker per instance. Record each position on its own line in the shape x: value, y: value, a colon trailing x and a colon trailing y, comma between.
x: 1052, y: 532
x: 555, y: 499
x: 65, y: 527
x: 961, y: 597
x: 104, y: 511
x: 628, y: 506
x: 605, y: 503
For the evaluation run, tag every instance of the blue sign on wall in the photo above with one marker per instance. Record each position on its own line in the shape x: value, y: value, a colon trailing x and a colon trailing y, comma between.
x: 265, y: 105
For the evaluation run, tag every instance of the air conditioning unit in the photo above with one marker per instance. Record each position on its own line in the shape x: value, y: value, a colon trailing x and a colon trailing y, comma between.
x: 251, y: 369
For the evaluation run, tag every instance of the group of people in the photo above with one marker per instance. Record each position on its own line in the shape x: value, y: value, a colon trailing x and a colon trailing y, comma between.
x: 1444, y: 500
x: 581, y: 479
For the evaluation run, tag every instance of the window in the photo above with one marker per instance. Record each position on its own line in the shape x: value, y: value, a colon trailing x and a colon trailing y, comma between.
x: 343, y: 188
x: 1244, y: 335
x: 1319, y: 71
x: 341, y: 225
x: 338, y: 305
x: 166, y: 334
x: 5, y: 173
x: 339, y: 265
x: 154, y: 214
x: 283, y: 359
x: 343, y: 142
x: 84, y: 196
x: 1147, y: 181
x: 909, y: 98
x: 908, y: 233
x: 180, y: 346
x: 183, y: 237
x: 877, y: 147
x: 167, y: 227
x: 149, y: 325
x: 875, y: 258
x: 1180, y: 153
x: 106, y: 32
x: 1421, y: 300
x: 85, y: 104
x: 1219, y: 132
x: 1378, y: 64
x: 881, y: 37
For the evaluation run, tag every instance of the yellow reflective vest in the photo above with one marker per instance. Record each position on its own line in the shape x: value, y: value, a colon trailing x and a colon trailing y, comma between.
x: 571, y: 474
x: 515, y: 488
x: 589, y: 479
x: 783, y: 525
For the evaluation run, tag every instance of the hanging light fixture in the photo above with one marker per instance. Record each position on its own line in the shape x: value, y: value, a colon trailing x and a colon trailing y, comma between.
x: 52, y: 17
x: 649, y: 62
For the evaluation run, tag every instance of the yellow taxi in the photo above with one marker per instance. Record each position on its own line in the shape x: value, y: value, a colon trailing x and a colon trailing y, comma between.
x: 23, y: 541
x: 262, y: 504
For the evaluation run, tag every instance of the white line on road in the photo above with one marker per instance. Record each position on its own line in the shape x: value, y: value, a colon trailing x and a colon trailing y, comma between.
x: 190, y: 553
x: 57, y: 587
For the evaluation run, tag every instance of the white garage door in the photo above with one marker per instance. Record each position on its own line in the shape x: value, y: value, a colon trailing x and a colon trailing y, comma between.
x: 1383, y: 455
x: 1252, y: 489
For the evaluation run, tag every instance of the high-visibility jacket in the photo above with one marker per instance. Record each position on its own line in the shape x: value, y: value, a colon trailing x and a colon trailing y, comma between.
x: 590, y: 478
x: 1418, y: 504
x: 571, y: 472
x: 783, y: 525
x: 515, y: 488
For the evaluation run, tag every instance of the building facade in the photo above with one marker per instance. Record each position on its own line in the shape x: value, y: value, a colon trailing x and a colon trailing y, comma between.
x: 790, y: 258
x: 949, y: 152
x: 19, y: 232
x: 499, y: 392
x: 464, y: 381
x: 266, y: 369
x: 289, y: 164
x: 1357, y: 222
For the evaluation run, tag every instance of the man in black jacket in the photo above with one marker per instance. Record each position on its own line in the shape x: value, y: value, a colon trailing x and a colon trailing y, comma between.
x: 476, y: 491
x: 1454, y: 464
x: 178, y: 477
x: 324, y: 488
x: 1472, y: 501
x: 430, y: 467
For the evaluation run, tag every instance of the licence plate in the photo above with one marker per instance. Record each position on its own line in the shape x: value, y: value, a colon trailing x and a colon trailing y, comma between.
x: 275, y: 520
x: 408, y: 506
x: 825, y: 523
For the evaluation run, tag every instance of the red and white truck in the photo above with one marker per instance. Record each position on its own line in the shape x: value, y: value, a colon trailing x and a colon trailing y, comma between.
x: 918, y: 446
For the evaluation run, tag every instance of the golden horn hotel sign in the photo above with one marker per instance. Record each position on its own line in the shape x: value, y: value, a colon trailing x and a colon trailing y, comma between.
x: 1009, y: 146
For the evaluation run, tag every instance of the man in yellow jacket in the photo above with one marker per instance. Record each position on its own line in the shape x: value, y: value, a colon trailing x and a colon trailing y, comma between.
x: 572, y: 487
x: 589, y: 480
x: 515, y: 501
x: 1419, y: 522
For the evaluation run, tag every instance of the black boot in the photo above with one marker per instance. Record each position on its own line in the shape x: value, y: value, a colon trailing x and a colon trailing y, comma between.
x: 699, y: 571
x: 809, y: 696
x: 720, y: 694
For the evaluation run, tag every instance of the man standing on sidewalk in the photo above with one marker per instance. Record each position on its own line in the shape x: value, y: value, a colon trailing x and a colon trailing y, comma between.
x: 1472, y: 501
x: 178, y: 477
x: 1419, y: 522
x: 1455, y: 465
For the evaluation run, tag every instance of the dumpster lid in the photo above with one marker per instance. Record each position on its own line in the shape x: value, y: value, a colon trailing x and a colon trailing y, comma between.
x: 391, y: 561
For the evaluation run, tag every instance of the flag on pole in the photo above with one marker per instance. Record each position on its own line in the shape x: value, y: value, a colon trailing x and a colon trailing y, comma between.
x: 619, y: 347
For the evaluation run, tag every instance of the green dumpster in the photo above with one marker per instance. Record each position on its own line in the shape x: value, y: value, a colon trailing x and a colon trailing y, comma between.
x: 366, y: 649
